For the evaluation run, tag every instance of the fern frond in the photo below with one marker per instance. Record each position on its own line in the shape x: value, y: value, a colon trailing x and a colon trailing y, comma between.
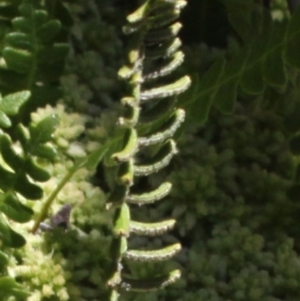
x: 150, y: 119
x: 20, y: 171
x: 33, y: 53
x: 272, y: 47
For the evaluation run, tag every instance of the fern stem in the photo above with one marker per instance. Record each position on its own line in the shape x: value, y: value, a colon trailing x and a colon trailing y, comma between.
x: 50, y: 199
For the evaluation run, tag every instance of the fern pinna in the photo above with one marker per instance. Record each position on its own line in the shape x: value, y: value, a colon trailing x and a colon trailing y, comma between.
x: 150, y: 120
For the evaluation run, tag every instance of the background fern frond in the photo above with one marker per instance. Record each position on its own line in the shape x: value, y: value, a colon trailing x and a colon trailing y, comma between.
x: 263, y: 62
x: 34, y: 52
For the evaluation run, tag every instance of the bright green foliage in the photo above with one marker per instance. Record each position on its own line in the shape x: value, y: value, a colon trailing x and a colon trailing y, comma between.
x: 9, y: 287
x: 10, y: 106
x: 15, y: 171
x: 270, y: 47
x: 95, y: 158
x: 9, y: 203
x: 34, y: 51
x: 31, y: 49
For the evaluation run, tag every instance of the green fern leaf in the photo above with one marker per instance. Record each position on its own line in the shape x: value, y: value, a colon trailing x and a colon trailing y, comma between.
x: 10, y: 288
x: 34, y: 53
x: 200, y: 108
x: 43, y: 131
x: 58, y: 11
x: 8, y: 153
x: 17, y: 59
x: 27, y: 189
x: 44, y: 151
x: 9, y: 237
x: 92, y: 161
x: 19, y: 40
x: 34, y: 31
x: 48, y: 31
x: 21, y: 167
x: 11, y: 103
x: 14, y: 209
x: 36, y: 172
x: 261, y: 63
x: 6, y: 179
x: 4, y: 259
x: 4, y: 120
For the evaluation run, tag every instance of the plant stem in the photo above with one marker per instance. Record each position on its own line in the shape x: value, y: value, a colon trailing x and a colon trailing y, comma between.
x: 52, y: 196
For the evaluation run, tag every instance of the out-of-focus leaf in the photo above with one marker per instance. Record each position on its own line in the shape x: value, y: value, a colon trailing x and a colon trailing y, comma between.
x: 11, y: 103
x: 14, y: 209
x: 27, y: 189
x: 9, y: 237
x: 43, y: 131
x: 10, y: 288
